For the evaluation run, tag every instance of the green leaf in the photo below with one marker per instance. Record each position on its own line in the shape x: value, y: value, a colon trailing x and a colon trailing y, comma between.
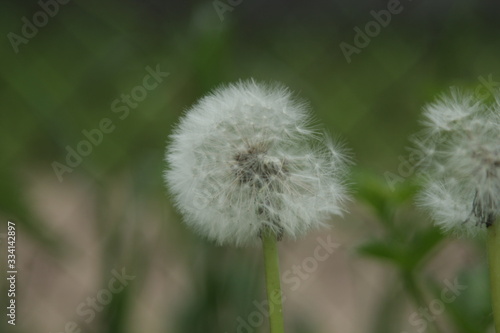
x: 382, y: 250
x: 423, y: 243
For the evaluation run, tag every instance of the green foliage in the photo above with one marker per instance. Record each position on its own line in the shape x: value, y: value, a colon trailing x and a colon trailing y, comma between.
x: 408, y: 243
x: 65, y: 79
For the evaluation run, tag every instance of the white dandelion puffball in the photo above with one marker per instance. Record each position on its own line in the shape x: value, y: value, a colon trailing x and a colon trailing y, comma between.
x: 244, y: 158
x: 463, y: 176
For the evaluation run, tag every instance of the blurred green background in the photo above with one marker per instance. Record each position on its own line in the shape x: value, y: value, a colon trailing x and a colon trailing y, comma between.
x: 112, y: 213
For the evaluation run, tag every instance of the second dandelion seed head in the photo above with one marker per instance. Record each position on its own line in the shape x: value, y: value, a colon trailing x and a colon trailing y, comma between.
x: 462, y: 191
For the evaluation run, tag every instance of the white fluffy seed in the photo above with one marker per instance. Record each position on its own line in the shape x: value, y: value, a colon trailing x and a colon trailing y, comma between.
x: 462, y: 190
x: 245, y: 157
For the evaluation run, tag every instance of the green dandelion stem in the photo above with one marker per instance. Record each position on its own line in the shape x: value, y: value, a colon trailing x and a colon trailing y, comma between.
x: 494, y: 262
x: 274, y: 296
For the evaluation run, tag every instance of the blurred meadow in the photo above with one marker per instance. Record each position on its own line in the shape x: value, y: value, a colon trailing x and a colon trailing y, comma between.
x: 109, y: 214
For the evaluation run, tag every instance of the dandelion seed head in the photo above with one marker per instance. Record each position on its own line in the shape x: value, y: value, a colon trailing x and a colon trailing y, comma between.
x: 451, y: 111
x: 246, y: 157
x: 462, y: 189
